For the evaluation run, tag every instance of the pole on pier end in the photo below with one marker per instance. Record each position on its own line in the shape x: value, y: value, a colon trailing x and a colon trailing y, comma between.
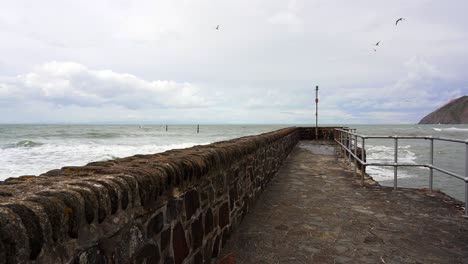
x: 198, y: 128
x: 316, y: 112
x: 166, y: 127
x: 466, y: 179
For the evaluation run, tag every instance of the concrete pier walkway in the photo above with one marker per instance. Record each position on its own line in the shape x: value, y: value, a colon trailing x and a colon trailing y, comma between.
x: 314, y: 211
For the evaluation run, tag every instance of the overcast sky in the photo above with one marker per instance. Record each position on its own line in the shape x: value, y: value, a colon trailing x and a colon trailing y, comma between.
x: 157, y: 61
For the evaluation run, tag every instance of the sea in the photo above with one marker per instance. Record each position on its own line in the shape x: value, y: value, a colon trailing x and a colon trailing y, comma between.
x: 35, y: 149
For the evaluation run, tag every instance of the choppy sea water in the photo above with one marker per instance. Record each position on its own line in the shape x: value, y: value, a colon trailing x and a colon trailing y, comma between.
x: 447, y: 155
x: 35, y: 149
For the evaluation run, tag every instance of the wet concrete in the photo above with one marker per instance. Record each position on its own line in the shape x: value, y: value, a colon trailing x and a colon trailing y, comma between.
x: 314, y: 211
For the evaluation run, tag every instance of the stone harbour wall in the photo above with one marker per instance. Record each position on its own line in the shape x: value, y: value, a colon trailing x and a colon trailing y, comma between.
x: 324, y: 133
x: 179, y: 206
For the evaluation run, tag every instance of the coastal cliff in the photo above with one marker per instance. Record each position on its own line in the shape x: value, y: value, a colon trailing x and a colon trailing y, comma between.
x: 453, y: 112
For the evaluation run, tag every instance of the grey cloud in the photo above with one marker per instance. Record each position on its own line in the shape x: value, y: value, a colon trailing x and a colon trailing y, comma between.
x: 266, y: 59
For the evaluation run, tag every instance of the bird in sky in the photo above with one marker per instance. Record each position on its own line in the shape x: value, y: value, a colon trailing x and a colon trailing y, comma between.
x: 217, y: 27
x: 376, y: 44
x: 398, y: 20
x: 375, y: 50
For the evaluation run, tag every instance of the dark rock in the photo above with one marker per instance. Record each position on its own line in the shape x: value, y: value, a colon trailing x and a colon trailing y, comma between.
x: 155, y: 225
x: 174, y: 209
x: 165, y: 238
x: 54, y: 209
x: 179, y: 244
x: 91, y: 255
x: 148, y: 254
x: 233, y: 194
x: 113, y: 194
x: 5, y: 194
x: 192, y: 203
x: 55, y: 172
x: 198, y: 258
x: 224, y: 215
x: 215, y: 248
x: 197, y: 233
x: 74, y: 209
x: 208, y: 221
x: 13, y: 238
x: 102, y: 196
x: 91, y: 204
x: 33, y: 228
x: 168, y: 260
x: 226, y: 235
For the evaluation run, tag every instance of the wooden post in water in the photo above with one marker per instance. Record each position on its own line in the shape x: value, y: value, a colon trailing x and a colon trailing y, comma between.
x: 198, y: 128
x: 316, y: 112
x: 166, y: 127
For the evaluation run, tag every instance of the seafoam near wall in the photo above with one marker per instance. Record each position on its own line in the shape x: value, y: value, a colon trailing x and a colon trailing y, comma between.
x: 179, y: 206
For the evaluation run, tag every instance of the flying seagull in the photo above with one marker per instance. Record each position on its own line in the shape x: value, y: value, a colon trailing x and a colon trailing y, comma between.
x: 398, y: 20
x: 375, y: 50
x: 376, y: 44
x: 217, y: 27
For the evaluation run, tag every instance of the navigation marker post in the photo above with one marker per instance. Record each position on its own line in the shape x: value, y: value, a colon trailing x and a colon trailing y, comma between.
x: 316, y: 112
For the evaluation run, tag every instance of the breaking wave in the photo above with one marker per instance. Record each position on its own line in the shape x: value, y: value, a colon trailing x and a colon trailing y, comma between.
x: 23, y: 144
x: 385, y: 154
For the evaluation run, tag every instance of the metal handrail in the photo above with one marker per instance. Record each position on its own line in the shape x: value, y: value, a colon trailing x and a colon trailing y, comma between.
x: 346, y: 138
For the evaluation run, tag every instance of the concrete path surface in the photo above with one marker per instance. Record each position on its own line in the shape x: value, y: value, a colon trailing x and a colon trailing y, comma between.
x: 313, y: 211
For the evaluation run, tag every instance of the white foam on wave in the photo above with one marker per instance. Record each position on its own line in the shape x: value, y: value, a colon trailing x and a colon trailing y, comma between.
x: 451, y: 129
x: 40, y: 159
x: 385, y: 154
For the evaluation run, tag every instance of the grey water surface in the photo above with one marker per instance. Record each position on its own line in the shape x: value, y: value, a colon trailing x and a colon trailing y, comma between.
x: 35, y: 149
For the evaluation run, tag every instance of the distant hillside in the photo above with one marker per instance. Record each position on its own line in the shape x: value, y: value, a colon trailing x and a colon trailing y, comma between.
x: 453, y: 112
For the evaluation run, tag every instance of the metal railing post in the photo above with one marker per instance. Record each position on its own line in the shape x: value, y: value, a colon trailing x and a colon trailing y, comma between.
x: 466, y: 179
x: 355, y: 155
x: 395, y: 167
x: 341, y: 141
x: 349, y: 147
x: 431, y: 170
x: 363, y: 170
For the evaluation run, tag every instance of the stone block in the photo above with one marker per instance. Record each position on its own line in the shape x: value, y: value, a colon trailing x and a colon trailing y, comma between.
x: 208, y: 221
x: 165, y: 238
x: 155, y: 225
x: 197, y: 233
x: 179, y: 244
x: 173, y: 210
x: 148, y: 254
x: 224, y: 215
x: 192, y: 202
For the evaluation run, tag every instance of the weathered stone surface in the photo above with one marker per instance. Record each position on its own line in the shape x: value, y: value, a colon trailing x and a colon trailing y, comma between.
x: 233, y: 194
x: 148, y: 254
x: 208, y: 221
x: 33, y: 228
x: 179, y: 244
x: 13, y: 238
x: 165, y: 238
x: 116, y: 211
x: 192, y: 202
x: 169, y: 260
x: 315, y: 211
x: 198, y: 258
x: 155, y: 225
x: 224, y: 215
x: 215, y: 247
x: 174, y: 209
x: 92, y: 255
x: 197, y: 233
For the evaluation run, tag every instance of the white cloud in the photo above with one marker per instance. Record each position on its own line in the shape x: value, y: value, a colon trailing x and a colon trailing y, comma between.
x: 69, y: 83
x: 164, y: 58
